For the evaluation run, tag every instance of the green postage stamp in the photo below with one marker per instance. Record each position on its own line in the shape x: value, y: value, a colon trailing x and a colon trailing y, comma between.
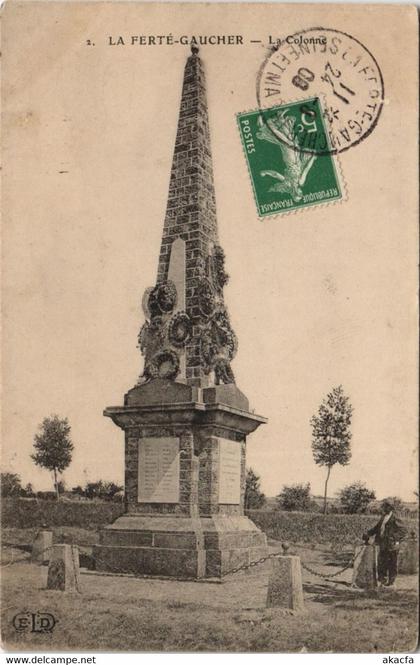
x: 289, y: 158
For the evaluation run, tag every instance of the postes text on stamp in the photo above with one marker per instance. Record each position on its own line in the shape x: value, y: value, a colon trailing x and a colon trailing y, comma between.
x: 288, y: 157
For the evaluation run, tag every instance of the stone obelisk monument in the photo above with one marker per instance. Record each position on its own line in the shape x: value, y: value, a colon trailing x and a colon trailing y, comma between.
x: 185, y: 422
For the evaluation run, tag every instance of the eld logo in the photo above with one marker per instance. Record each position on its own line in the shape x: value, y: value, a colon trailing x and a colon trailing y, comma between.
x: 34, y: 622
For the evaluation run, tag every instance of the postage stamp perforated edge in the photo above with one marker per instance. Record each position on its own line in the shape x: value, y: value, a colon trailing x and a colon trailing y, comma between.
x: 336, y: 161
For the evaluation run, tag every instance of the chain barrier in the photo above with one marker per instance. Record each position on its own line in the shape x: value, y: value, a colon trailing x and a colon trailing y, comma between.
x: 22, y: 558
x: 232, y: 571
x: 13, y: 561
x: 245, y: 566
x: 331, y: 575
x: 134, y: 573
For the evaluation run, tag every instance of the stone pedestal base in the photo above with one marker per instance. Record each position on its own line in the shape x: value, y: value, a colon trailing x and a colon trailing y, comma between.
x: 63, y: 571
x: 365, y: 567
x: 408, y: 558
x: 285, y: 584
x: 177, y: 546
x: 41, y: 547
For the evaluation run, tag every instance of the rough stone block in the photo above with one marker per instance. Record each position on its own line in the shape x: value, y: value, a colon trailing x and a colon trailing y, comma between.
x: 41, y: 547
x: 285, y: 584
x: 175, y: 540
x: 150, y: 561
x: 365, y: 566
x: 63, y: 571
x: 126, y: 538
x: 226, y: 394
x: 160, y: 391
x: 408, y: 560
x: 219, y: 561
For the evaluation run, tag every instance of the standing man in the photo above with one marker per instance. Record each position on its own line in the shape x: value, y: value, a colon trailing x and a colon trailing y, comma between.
x: 388, y: 532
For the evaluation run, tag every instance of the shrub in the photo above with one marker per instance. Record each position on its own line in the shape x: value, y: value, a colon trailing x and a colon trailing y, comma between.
x: 46, y: 495
x: 296, y: 497
x: 28, y: 491
x: 102, y: 489
x: 78, y: 491
x: 10, y: 484
x: 355, y: 498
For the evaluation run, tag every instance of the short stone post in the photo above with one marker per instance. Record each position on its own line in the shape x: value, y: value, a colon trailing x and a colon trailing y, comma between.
x: 63, y: 571
x: 408, y: 559
x: 285, y: 584
x: 365, y: 567
x: 41, y: 547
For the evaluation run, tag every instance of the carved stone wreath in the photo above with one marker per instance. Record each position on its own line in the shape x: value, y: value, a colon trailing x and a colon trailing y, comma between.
x: 162, y: 299
x: 151, y: 336
x: 208, y: 350
x: 220, y: 276
x: 206, y: 298
x: 218, y: 345
x: 164, y: 365
x: 180, y: 329
x: 145, y: 302
x: 143, y: 336
x: 223, y: 333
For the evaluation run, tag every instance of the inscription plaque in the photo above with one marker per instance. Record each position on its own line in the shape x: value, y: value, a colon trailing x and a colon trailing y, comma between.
x: 159, y: 470
x: 229, y: 471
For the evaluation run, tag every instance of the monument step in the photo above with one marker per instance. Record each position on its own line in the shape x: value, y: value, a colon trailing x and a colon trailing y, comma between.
x: 220, y: 562
x: 173, y: 562
x: 169, y: 562
x: 185, y: 540
x: 235, y: 539
x: 149, y: 539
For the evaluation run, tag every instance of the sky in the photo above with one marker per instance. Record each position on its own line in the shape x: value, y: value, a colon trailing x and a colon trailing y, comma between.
x: 320, y: 298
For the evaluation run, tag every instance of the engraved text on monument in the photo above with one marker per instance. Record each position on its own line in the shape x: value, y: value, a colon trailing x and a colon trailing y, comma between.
x: 159, y: 470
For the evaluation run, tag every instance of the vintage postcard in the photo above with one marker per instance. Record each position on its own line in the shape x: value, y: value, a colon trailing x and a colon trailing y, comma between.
x: 210, y: 348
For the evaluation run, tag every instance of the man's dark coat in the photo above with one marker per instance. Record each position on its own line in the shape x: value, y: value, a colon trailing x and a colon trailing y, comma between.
x: 394, y: 532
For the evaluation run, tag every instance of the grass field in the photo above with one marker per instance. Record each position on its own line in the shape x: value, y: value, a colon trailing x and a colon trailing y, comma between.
x: 127, y: 614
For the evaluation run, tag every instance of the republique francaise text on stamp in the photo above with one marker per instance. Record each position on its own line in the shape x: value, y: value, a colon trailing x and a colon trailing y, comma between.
x: 286, y: 148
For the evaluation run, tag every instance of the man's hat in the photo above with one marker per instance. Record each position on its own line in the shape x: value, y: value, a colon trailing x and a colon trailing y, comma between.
x: 387, y: 503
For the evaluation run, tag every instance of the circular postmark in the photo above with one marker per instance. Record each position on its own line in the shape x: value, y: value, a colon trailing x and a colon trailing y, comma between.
x: 333, y: 66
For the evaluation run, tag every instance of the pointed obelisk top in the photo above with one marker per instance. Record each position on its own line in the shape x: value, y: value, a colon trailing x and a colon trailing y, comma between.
x: 188, y: 336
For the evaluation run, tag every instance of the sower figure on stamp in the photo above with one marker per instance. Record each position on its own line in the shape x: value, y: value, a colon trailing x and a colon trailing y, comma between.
x: 388, y: 532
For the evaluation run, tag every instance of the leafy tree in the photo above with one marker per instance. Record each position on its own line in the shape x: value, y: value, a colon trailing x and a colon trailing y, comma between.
x: 295, y: 497
x: 331, y: 434
x: 53, y: 447
x: 254, y: 498
x: 355, y: 498
x: 10, y: 484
